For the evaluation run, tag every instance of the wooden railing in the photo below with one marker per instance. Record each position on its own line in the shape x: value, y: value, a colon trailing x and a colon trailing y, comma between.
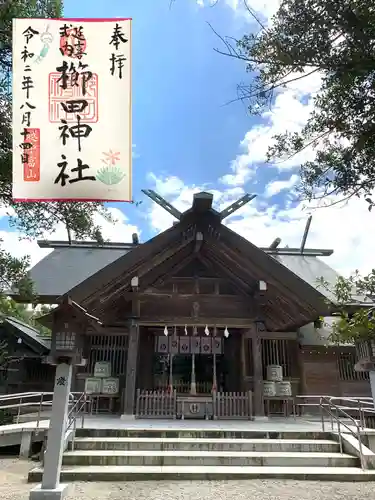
x: 233, y: 405
x: 224, y: 405
x: 156, y: 404
x: 184, y: 387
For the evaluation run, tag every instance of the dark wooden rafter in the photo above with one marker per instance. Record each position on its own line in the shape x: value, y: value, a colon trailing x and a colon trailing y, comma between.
x: 217, y: 266
x: 154, y: 278
x: 143, y: 268
x: 107, y: 278
x: 159, y: 276
x: 292, y: 308
x: 234, y: 271
x: 309, y: 300
x: 284, y: 314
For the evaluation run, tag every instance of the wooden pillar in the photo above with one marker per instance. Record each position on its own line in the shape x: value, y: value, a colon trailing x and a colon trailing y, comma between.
x: 132, y: 362
x: 258, y: 372
x: 243, y: 362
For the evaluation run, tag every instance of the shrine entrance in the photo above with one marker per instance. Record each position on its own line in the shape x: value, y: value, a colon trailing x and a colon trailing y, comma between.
x: 191, y: 376
x: 203, y: 368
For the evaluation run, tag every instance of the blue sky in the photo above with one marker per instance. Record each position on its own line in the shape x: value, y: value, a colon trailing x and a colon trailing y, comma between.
x: 181, y: 123
x: 186, y: 139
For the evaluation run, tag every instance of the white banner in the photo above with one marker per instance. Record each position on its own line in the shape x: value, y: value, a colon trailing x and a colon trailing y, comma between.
x: 72, y: 109
x: 195, y: 345
x: 206, y: 345
x: 163, y: 344
x: 184, y: 345
x: 216, y: 345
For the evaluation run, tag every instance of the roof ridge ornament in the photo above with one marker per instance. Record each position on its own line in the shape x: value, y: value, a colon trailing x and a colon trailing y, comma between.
x: 202, y: 201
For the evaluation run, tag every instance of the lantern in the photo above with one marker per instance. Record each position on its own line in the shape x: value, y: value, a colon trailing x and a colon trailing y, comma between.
x: 68, y: 322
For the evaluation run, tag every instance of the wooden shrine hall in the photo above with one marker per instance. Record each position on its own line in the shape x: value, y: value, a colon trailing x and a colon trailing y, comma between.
x: 199, y: 322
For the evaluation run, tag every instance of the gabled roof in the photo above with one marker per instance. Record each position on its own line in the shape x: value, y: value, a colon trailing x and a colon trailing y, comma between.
x: 69, y: 265
x: 200, y: 234
x: 88, y: 272
x: 29, y: 335
x: 310, y: 269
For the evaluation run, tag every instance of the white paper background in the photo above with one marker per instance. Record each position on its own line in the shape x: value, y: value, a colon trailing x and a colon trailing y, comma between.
x: 111, y: 132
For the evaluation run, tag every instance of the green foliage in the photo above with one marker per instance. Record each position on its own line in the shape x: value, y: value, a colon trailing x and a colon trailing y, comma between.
x: 24, y: 312
x: 353, y: 322
x: 335, y: 39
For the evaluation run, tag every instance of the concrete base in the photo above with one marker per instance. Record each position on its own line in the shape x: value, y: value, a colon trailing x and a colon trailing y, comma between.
x: 26, y: 442
x: 127, y: 417
x: 38, y: 493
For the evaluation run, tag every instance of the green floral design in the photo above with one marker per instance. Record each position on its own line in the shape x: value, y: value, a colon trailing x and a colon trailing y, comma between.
x: 110, y: 175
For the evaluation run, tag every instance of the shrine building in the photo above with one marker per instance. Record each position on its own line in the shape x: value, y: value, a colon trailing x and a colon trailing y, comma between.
x: 199, y: 310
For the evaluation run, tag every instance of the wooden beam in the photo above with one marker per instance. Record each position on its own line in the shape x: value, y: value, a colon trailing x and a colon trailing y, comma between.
x: 142, y: 269
x: 256, y: 272
x: 100, y: 282
x: 155, y: 197
x: 132, y: 361
x: 179, y: 263
x: 298, y: 309
x: 258, y: 373
x: 305, y: 234
x: 211, y: 261
x: 289, y: 282
x: 200, y: 322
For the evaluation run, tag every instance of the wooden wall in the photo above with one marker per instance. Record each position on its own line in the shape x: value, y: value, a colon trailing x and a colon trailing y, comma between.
x: 330, y: 370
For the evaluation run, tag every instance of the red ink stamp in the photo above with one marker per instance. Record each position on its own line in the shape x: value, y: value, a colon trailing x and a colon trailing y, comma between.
x: 58, y: 95
x: 72, y: 41
x: 31, y: 156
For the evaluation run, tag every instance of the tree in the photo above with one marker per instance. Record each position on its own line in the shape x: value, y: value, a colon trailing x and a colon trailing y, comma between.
x: 354, y: 321
x: 31, y: 219
x: 336, y: 40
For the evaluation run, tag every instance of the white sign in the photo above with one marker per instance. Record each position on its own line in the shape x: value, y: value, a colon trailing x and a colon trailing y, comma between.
x: 102, y: 369
x: 93, y: 385
x: 72, y: 110
x: 110, y: 385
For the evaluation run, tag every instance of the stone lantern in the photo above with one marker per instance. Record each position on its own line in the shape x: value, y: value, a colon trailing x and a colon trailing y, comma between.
x: 68, y: 322
x: 67, y: 340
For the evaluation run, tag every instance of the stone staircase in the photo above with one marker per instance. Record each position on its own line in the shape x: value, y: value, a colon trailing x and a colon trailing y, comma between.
x: 128, y: 455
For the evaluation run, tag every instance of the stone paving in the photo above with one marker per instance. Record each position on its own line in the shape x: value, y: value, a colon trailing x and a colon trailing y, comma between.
x: 13, y: 486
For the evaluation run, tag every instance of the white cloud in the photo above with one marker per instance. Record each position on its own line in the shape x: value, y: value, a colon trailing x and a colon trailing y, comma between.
x: 120, y: 231
x: 276, y: 187
x: 287, y: 113
x: 333, y: 227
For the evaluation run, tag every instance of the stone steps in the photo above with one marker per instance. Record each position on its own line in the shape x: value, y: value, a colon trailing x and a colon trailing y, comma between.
x: 144, y: 473
x: 207, y: 458
x: 193, y: 453
x: 199, y: 433
x: 205, y: 444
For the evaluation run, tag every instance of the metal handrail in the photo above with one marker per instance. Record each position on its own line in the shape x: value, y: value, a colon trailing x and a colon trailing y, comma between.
x: 77, y: 409
x: 21, y: 403
x: 365, y: 405
x: 356, y: 434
